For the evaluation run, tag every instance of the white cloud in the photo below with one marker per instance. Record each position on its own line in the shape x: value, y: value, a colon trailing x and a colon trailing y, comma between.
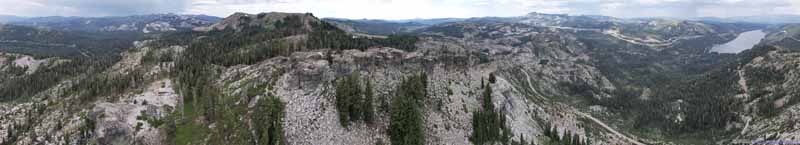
x: 387, y: 9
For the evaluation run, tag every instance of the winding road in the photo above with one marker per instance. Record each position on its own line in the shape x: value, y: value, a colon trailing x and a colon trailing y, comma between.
x: 609, y: 128
x: 795, y: 39
x: 629, y: 39
x: 530, y: 85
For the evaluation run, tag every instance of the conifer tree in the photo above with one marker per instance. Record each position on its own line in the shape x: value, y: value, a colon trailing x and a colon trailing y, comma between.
x: 406, y: 125
x: 369, y: 109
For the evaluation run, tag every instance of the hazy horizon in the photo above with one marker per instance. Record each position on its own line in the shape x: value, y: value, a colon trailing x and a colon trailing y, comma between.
x: 406, y: 9
x: 402, y: 19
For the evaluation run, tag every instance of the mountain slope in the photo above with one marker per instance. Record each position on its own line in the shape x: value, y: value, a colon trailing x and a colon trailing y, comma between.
x: 288, y: 78
x: 768, y: 76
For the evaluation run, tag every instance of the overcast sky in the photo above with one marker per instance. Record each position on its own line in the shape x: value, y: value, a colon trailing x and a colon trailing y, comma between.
x: 405, y: 9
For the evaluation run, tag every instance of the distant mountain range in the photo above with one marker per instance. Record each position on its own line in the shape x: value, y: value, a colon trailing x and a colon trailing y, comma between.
x: 136, y: 23
x: 174, y: 22
x: 767, y: 19
x: 10, y: 18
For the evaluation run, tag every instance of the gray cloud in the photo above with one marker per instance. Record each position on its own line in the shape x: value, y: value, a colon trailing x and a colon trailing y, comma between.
x: 682, y: 8
x: 91, y: 7
x: 402, y: 9
x: 123, y: 7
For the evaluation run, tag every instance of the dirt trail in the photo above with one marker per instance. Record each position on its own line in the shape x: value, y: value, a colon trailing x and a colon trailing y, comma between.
x: 530, y: 85
x: 609, y: 128
x: 795, y: 39
x: 629, y: 39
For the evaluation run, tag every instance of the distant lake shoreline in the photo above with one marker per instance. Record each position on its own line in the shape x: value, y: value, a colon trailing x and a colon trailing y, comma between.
x: 742, y: 42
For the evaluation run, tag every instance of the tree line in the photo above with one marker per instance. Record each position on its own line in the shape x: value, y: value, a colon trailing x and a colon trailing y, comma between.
x: 489, y: 125
x: 554, y: 137
x: 407, y: 122
x: 46, y: 77
x: 354, y: 101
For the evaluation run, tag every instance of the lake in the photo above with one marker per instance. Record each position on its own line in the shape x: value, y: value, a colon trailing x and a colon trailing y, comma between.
x: 743, y: 42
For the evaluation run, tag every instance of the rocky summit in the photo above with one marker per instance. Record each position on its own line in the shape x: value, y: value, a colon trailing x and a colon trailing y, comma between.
x: 293, y: 78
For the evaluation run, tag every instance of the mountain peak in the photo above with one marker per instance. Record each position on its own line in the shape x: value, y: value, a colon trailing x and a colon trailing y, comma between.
x: 240, y: 20
x: 240, y: 14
